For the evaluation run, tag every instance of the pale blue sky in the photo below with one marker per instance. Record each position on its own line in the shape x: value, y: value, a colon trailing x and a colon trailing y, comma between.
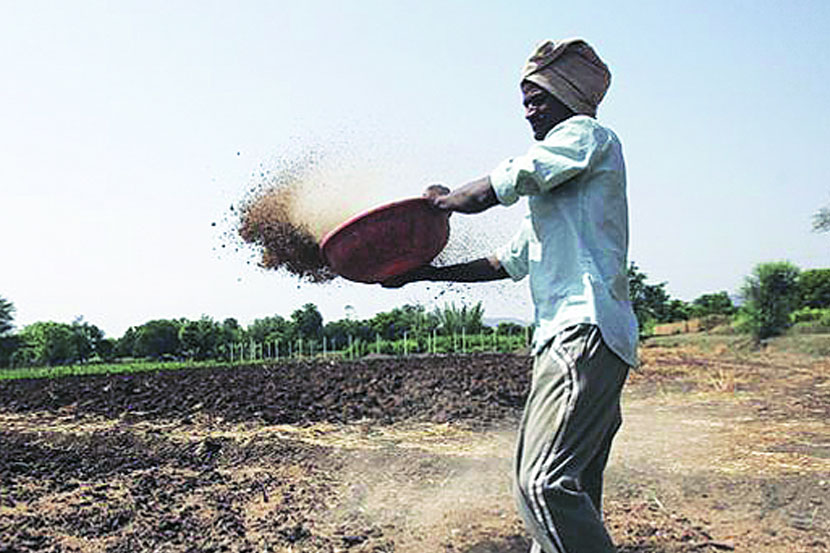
x: 120, y: 124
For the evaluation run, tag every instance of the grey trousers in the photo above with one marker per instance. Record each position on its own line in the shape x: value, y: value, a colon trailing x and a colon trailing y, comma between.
x: 569, y: 421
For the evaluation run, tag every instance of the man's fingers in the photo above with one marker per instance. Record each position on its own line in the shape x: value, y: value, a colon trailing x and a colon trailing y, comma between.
x: 436, y: 190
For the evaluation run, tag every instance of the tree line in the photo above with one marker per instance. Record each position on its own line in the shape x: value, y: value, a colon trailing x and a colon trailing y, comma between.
x: 774, y: 297
x: 52, y: 343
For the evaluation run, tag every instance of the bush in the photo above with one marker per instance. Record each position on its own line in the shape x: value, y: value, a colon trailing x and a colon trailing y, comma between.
x: 810, y: 320
x: 814, y: 288
x: 809, y: 327
x: 807, y: 314
x: 771, y: 294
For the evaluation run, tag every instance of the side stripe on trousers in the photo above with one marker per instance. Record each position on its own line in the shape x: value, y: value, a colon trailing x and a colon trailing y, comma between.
x: 537, y: 481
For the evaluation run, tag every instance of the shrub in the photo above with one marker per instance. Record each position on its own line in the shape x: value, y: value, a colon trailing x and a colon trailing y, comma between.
x: 807, y: 314
x: 814, y: 288
x: 771, y: 294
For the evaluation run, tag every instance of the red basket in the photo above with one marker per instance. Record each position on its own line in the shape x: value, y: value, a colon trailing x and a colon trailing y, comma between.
x: 387, y: 241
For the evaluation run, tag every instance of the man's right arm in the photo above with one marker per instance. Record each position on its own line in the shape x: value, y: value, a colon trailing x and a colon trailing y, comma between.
x: 478, y: 270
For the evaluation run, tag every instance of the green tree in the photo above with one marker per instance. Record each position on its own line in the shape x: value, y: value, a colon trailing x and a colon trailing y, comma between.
x: 770, y: 294
x: 814, y: 288
x: 718, y: 303
x: 308, y: 323
x: 157, y: 339
x: 453, y: 320
x: 6, y: 316
x: 87, y: 339
x: 200, y: 339
x: 125, y: 346
x: 507, y: 328
x: 676, y: 310
x: 411, y: 319
x: 821, y: 220
x: 8, y: 343
x: 270, y: 329
x: 106, y: 349
x: 649, y: 301
x: 48, y: 343
x: 231, y: 334
x: 338, y: 332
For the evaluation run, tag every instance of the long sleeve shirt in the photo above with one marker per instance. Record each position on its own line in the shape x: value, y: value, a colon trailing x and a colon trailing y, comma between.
x: 574, y: 243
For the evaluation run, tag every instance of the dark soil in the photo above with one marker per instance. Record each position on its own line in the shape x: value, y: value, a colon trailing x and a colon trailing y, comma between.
x: 404, y: 455
x: 482, y: 388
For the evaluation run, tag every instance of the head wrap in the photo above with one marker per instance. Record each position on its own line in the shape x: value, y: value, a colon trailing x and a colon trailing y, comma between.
x: 571, y: 71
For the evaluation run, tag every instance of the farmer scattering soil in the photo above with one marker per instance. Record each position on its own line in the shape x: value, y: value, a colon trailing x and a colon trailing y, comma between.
x: 573, y: 247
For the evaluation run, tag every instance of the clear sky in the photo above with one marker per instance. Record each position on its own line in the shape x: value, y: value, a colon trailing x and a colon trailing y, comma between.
x: 127, y: 128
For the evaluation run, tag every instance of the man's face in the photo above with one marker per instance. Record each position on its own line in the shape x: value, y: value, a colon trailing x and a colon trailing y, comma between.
x: 542, y: 110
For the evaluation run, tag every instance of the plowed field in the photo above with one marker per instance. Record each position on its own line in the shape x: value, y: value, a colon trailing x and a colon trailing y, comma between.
x: 718, y: 452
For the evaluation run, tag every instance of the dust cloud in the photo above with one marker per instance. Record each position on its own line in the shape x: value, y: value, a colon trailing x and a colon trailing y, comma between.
x: 434, y: 496
x: 291, y: 209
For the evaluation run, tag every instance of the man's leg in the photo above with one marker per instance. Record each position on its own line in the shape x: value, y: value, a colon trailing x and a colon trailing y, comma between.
x: 570, y: 418
x: 592, y: 479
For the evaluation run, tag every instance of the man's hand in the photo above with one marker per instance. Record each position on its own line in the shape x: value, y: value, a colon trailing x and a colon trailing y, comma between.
x: 473, y: 197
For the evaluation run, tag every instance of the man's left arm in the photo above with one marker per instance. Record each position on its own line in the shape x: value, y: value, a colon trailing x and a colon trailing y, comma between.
x: 474, y: 197
x: 478, y: 270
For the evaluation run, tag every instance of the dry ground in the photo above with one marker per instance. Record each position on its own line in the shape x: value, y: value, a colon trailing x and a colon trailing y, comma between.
x: 721, y: 449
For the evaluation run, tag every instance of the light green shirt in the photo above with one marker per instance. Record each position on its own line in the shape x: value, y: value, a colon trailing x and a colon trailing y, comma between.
x: 574, y: 243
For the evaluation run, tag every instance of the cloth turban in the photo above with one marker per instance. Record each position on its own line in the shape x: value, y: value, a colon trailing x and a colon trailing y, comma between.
x: 571, y: 71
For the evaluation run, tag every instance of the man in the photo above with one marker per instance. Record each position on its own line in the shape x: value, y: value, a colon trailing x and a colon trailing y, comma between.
x: 573, y: 247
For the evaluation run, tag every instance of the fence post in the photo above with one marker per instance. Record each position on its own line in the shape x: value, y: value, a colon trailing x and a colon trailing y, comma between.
x: 405, y: 347
x: 377, y: 343
x: 464, y: 339
x: 351, y: 347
